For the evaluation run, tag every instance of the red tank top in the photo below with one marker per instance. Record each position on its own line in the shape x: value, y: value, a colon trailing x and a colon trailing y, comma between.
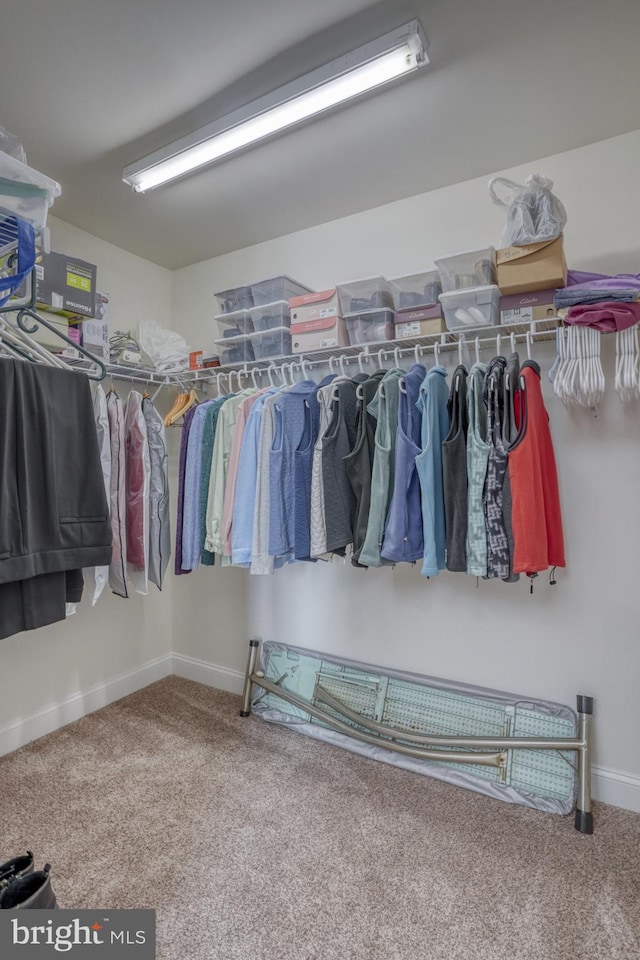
x: 536, y: 518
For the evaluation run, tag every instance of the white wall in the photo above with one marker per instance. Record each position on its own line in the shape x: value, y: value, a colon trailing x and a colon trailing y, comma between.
x: 92, y: 649
x: 579, y: 636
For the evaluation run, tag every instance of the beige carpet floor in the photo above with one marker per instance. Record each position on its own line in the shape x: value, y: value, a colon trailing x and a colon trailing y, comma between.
x: 256, y: 843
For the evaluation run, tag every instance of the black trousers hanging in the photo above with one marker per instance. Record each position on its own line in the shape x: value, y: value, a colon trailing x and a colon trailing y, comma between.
x: 53, y: 511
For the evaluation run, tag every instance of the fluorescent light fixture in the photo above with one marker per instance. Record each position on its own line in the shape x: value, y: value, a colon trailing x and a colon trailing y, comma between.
x: 401, y: 52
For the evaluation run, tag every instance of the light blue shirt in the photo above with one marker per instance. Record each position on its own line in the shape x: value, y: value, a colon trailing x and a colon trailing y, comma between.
x: 244, y: 501
x: 432, y: 401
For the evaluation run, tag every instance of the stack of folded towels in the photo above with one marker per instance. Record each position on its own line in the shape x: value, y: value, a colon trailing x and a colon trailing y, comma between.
x: 600, y: 301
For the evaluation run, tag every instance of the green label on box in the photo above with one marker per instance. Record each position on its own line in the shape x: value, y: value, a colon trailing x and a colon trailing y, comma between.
x: 79, y: 282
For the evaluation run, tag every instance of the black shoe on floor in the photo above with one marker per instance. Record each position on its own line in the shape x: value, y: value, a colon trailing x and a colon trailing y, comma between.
x: 30, y: 892
x: 15, y: 868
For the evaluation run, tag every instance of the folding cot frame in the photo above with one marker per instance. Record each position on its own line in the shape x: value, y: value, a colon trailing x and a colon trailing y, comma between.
x: 484, y: 751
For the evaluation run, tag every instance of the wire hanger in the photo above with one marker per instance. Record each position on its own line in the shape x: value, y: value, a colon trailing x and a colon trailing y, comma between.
x: 98, y: 370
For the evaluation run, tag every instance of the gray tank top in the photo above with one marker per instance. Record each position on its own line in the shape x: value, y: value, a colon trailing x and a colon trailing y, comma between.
x: 359, y: 462
x: 337, y: 443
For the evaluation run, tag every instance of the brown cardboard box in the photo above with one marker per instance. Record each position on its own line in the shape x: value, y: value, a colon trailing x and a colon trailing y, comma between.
x: 538, y: 266
x: 318, y: 334
x: 527, y: 307
x: 315, y: 306
x: 419, y: 323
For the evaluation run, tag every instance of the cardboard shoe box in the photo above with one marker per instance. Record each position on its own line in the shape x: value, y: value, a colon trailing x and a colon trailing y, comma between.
x: 537, y: 266
x: 319, y: 334
x: 527, y: 307
x: 92, y: 334
x: 66, y: 285
x: 315, y: 306
x: 419, y: 323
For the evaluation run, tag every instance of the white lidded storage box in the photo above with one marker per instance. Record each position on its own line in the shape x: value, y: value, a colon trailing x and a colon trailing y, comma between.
x: 277, y: 288
x: 238, y: 320
x: 370, y: 326
x: 474, y: 268
x: 476, y: 307
x: 357, y: 296
x: 235, y: 299
x: 270, y: 315
x: 24, y: 192
x: 238, y: 349
x: 272, y: 343
x: 416, y: 291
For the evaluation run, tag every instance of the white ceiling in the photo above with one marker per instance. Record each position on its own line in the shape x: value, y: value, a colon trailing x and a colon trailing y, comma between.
x: 91, y: 85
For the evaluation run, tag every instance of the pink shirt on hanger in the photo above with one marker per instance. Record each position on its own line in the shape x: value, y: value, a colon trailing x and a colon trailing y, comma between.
x: 232, y: 470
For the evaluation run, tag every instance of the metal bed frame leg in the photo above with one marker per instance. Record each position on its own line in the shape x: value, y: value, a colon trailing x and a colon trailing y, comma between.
x: 584, y: 817
x: 254, y: 649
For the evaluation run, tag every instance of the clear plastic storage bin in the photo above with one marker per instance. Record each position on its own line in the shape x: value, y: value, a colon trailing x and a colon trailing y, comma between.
x: 272, y: 343
x: 271, y: 315
x: 357, y: 296
x: 232, y: 324
x: 238, y: 349
x: 234, y: 299
x: 277, y: 288
x: 24, y: 192
x: 476, y: 307
x: 475, y: 268
x: 371, y: 326
x: 416, y: 291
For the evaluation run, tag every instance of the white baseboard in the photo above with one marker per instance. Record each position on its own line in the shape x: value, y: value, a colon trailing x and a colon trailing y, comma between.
x: 20, y: 732
x: 212, y: 675
x: 617, y: 787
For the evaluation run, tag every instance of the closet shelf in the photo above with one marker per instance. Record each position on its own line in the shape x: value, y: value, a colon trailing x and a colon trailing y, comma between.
x: 537, y: 331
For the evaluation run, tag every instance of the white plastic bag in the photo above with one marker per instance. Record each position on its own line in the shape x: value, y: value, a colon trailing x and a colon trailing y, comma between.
x: 167, y: 349
x: 10, y: 145
x: 534, y: 213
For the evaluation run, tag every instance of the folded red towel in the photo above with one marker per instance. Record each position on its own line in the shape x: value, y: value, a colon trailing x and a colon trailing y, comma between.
x: 605, y: 316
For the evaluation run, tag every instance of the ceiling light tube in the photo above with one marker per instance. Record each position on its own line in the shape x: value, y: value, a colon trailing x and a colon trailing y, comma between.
x: 401, y: 52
